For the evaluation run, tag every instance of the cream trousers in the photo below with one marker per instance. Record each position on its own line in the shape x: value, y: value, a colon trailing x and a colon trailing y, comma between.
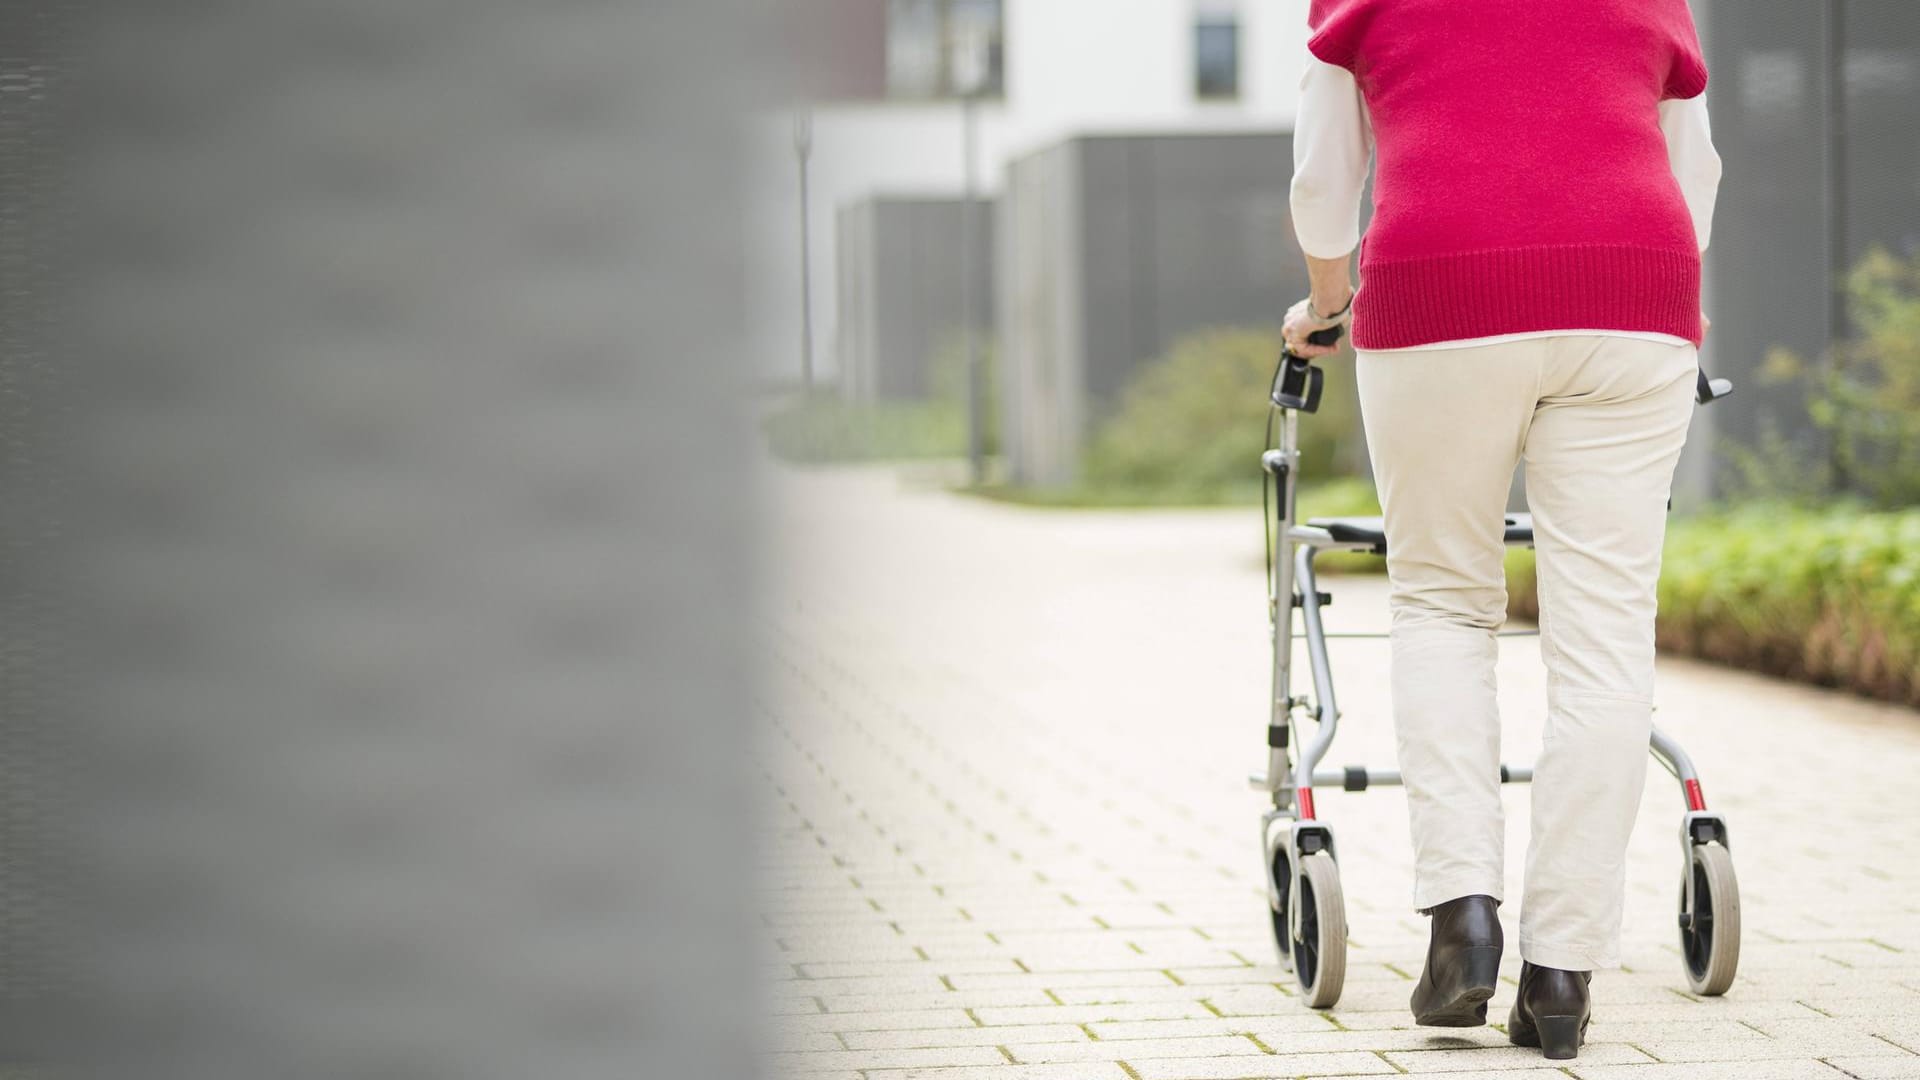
x: 1599, y: 422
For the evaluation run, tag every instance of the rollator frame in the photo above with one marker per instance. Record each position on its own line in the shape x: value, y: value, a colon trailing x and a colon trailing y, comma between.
x: 1292, y: 548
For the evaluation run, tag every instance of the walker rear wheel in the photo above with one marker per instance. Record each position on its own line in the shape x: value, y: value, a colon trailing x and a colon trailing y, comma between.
x: 1320, y: 950
x: 1282, y: 881
x: 1710, y: 933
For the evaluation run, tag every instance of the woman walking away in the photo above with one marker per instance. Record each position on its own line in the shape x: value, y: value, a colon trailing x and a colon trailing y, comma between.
x: 1529, y: 293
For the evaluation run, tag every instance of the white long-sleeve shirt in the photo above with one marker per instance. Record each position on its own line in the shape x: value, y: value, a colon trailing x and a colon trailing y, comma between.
x: 1333, y: 150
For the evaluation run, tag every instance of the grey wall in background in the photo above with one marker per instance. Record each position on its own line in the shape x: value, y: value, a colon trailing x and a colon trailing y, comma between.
x: 899, y: 295
x: 1112, y: 248
x: 1767, y: 266
x: 406, y: 542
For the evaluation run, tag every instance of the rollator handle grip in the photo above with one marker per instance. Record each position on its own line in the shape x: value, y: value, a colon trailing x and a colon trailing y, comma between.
x: 1706, y: 391
x: 1297, y: 384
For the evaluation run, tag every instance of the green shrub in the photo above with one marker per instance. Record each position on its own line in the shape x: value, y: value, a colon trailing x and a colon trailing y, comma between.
x: 1829, y: 595
x: 1187, y: 429
x: 1865, y: 401
x: 825, y: 427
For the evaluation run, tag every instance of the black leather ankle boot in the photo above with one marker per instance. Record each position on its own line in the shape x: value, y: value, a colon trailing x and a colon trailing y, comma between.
x: 1463, y: 963
x: 1551, y: 1010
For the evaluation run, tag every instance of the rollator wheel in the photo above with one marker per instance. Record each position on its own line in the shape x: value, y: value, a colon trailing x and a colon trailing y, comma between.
x: 1282, y: 886
x: 1320, y: 952
x: 1710, y: 933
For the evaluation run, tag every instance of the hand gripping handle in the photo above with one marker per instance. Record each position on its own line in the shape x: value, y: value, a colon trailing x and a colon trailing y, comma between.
x: 1297, y: 383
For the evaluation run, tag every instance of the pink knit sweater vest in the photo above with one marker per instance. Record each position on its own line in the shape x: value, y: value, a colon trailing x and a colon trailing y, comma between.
x: 1521, y: 178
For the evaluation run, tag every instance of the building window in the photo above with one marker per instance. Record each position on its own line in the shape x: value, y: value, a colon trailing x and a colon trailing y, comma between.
x: 925, y: 43
x: 1216, y: 52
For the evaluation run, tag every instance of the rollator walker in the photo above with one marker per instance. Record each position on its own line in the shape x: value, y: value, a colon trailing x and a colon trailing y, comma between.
x: 1303, y: 876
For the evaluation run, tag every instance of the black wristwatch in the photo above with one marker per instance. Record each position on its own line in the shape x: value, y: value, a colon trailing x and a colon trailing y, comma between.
x: 1315, y: 312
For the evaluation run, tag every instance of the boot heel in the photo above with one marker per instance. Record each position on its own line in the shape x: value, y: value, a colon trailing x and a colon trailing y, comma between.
x: 1559, y: 1036
x: 1462, y: 1000
x: 1480, y: 969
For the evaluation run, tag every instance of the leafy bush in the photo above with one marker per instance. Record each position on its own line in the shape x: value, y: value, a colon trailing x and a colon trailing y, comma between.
x: 1866, y: 401
x: 1829, y: 595
x: 825, y: 427
x: 1188, y: 427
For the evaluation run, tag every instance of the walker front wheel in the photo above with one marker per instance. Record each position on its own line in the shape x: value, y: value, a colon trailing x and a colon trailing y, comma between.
x: 1320, y: 949
x: 1710, y: 933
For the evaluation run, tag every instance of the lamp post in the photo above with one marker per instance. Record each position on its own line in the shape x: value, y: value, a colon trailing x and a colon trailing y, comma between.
x: 1834, y: 188
x: 803, y: 149
x: 970, y: 79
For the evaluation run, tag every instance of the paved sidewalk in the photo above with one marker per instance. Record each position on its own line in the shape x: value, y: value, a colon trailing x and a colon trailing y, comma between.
x: 1010, y: 836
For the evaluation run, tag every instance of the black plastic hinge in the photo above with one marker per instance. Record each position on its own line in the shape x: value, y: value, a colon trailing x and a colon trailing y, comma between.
x: 1326, y: 599
x: 1356, y: 778
x: 1277, y: 736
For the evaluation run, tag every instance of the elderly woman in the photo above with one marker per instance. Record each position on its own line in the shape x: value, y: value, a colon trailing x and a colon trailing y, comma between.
x: 1530, y: 292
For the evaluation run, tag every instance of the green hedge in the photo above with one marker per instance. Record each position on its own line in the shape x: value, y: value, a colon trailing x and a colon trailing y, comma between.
x: 1187, y: 429
x: 1828, y: 595
x: 823, y: 427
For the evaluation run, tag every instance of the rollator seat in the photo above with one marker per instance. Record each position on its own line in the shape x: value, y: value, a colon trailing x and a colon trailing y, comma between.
x: 1372, y: 530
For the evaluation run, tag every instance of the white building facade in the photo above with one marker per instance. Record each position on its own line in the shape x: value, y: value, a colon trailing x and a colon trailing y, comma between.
x: 1059, y: 68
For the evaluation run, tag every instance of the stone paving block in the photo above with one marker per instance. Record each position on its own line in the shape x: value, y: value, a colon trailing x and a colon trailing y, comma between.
x: 1726, y: 1070
x: 1496, y: 1074
x: 1508, y: 1056
x: 1814, y: 1033
x: 1260, y: 975
x: 833, y: 969
x: 1092, y: 1014
x: 942, y: 999
x: 1638, y: 1031
x: 1133, y: 1050
x: 1247, y: 1000
x: 1086, y: 995
x: 933, y: 1057
x: 1853, y: 1045
x: 892, y: 1021
x: 915, y: 1038
x: 1876, y: 1068
x: 1062, y: 981
x: 1885, y: 1006
x: 1266, y: 1027
x: 1412, y: 1038
x: 1074, y: 1071
x: 795, y: 1042
x: 1902, y: 1031
x: 1686, y: 1011
x: 1262, y: 1067
x: 877, y: 984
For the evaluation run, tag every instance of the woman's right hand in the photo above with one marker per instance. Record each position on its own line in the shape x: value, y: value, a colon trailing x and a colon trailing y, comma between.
x: 1302, y: 319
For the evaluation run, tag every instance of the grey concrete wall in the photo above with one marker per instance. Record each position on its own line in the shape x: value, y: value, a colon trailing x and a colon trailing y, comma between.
x: 900, y: 290
x: 1041, y: 322
x: 1113, y: 248
x: 382, y: 529
x: 1767, y: 266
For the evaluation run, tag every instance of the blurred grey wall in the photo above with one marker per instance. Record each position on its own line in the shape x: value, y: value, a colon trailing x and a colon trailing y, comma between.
x: 401, y: 565
x: 1783, y: 136
x: 1112, y: 248
x: 35, y: 744
x: 900, y: 294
